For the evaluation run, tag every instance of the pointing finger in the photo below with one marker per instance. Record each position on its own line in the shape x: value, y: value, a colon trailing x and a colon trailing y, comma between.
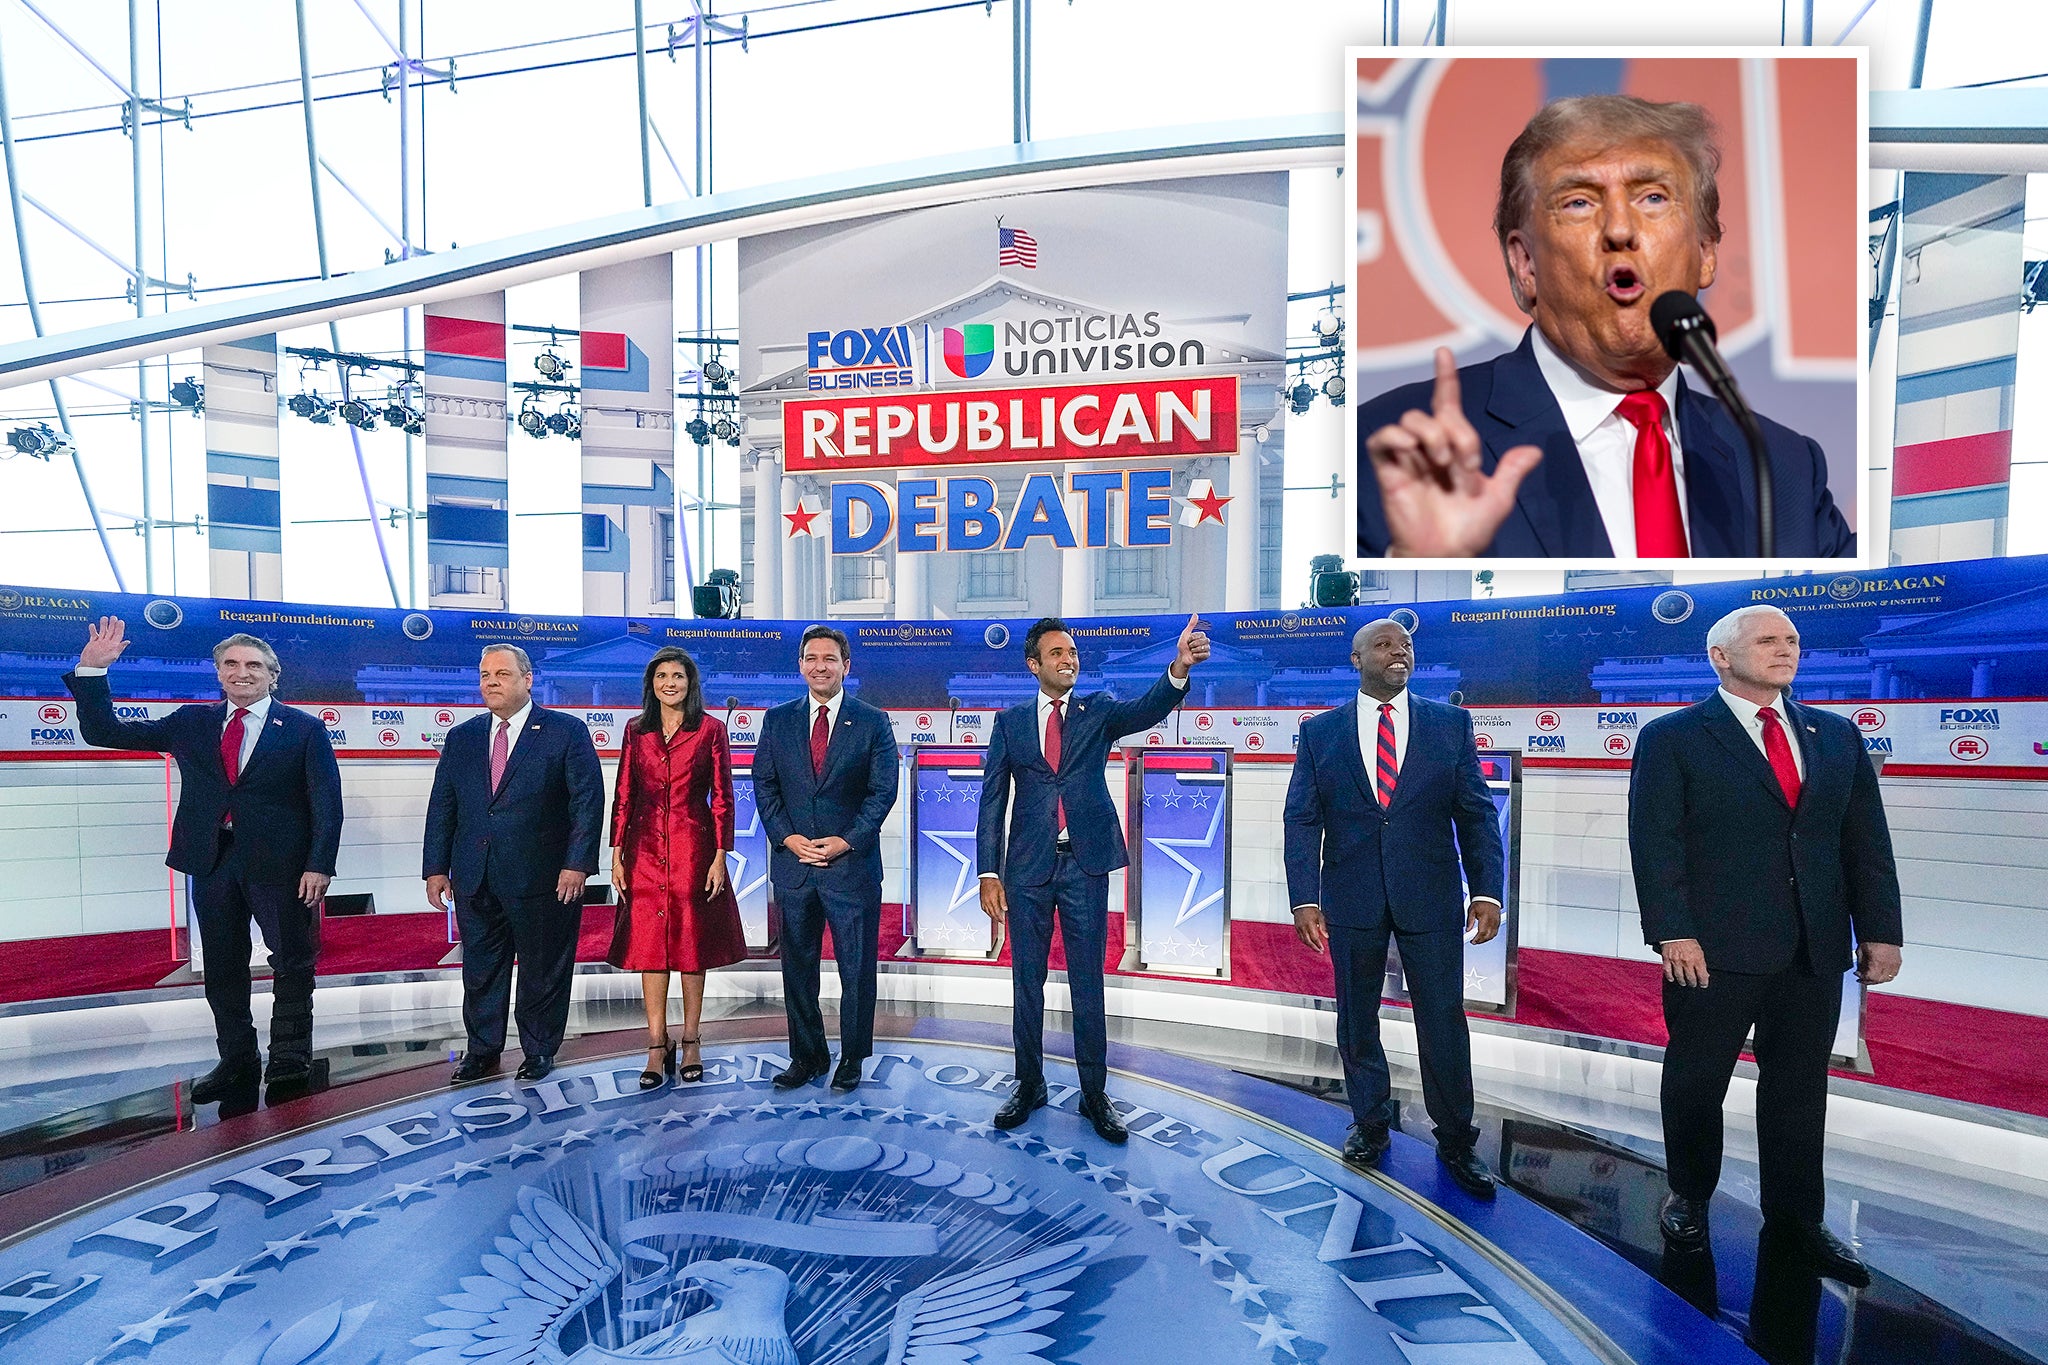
x: 1446, y: 399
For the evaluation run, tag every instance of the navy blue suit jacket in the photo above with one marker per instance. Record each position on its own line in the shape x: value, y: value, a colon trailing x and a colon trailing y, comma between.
x: 1508, y: 402
x: 286, y: 804
x: 546, y: 817
x: 1364, y: 865
x: 850, y: 799
x: 1720, y: 857
x: 1015, y: 758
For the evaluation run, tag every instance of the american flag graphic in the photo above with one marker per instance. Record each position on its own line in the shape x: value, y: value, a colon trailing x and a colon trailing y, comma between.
x: 1015, y: 246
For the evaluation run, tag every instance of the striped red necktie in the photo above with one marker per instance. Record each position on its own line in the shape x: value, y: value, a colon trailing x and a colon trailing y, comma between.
x: 1387, y: 766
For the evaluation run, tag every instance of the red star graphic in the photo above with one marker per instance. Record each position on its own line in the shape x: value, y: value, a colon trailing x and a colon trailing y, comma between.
x: 800, y: 521
x: 1212, y: 507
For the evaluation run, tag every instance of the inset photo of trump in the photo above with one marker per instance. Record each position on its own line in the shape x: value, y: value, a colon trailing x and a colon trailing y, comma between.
x: 1609, y: 307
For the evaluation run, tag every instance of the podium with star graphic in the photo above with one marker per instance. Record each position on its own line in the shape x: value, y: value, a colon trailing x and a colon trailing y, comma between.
x: 947, y: 919
x: 1178, y: 895
x: 1490, y: 966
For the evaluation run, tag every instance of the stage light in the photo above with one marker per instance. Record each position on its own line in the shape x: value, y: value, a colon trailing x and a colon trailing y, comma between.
x: 189, y: 393
x: 727, y: 430
x: 1301, y: 398
x: 718, y: 596
x: 533, y: 421
x: 550, y: 365
x: 699, y: 430
x: 357, y: 414
x: 1333, y: 389
x: 40, y: 441
x: 567, y: 422
x: 312, y: 407
x: 396, y: 413
x: 1329, y: 325
x: 1330, y: 584
x: 716, y: 375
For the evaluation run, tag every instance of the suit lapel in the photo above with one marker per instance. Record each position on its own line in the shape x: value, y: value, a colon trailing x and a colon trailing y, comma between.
x: 1419, y: 723
x: 1807, y: 736
x: 521, y: 748
x: 837, y: 743
x: 1728, y: 732
x: 268, y: 736
x: 1718, y: 481
x: 1352, y: 760
x: 1556, y: 499
x: 1029, y: 747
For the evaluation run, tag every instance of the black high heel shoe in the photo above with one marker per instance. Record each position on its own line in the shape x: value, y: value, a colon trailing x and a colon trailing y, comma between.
x: 650, y: 1079
x: 693, y: 1071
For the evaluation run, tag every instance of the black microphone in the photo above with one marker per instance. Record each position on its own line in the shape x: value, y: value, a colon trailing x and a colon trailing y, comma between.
x: 730, y: 703
x: 952, y: 718
x: 1457, y: 697
x: 1688, y: 336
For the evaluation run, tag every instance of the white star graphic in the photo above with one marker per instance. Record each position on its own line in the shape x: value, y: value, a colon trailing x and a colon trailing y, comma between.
x: 1171, y: 1221
x: 410, y: 1190
x: 463, y: 1170
x: 975, y: 1129
x: 341, y: 1219
x: 281, y: 1252
x: 1242, y: 1290
x: 1273, y: 1333
x: 839, y: 1277
x: 766, y: 1109
x: 936, y: 1120
x: 673, y: 1116
x: 896, y: 1113
x: 1058, y: 1155
x: 809, y: 1109
x: 216, y: 1287
x: 619, y: 1129
x: 1135, y: 1195
x: 716, y: 1112
x: 1098, y: 1174
x: 1207, y: 1252
x: 571, y: 1136
x: 966, y: 884
x: 1189, y: 906
x: 145, y: 1331
x: 1020, y: 1141
x: 518, y: 1152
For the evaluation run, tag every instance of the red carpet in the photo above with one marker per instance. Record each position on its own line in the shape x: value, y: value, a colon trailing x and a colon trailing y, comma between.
x: 1960, y: 1052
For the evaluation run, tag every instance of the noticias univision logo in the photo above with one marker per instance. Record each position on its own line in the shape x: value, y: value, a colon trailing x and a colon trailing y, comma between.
x: 971, y: 349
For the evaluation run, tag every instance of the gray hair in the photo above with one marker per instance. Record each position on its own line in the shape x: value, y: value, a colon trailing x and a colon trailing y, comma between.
x: 1687, y: 128
x: 1725, y: 632
x: 241, y: 641
x: 501, y: 647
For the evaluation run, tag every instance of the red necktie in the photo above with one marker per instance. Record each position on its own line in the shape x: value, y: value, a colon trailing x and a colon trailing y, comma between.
x: 501, y: 749
x: 231, y: 746
x: 821, y: 739
x: 1779, y: 750
x: 1054, y: 741
x: 1660, y: 529
x: 1388, y: 762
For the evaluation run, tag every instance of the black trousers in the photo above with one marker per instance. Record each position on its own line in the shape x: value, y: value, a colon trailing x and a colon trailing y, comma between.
x: 1081, y: 903
x: 1794, y: 1013
x: 1435, y: 965
x: 855, y: 915
x: 226, y: 900
x: 540, y: 933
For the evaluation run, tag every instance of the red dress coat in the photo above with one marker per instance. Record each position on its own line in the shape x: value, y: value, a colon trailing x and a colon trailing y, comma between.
x: 671, y: 815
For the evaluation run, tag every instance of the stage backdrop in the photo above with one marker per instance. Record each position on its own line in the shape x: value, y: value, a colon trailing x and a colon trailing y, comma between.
x: 1788, y: 296
x: 1942, y: 666
x: 1054, y: 402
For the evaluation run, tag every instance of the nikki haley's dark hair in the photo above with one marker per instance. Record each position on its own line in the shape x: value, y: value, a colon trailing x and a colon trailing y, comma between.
x: 1046, y: 626
x: 693, y: 697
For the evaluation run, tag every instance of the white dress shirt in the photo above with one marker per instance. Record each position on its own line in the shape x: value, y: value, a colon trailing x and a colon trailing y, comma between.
x: 1748, y: 713
x: 518, y: 719
x: 1369, y: 736
x: 252, y: 723
x: 1607, y: 443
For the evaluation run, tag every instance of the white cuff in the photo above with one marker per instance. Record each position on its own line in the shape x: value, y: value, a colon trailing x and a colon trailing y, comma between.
x: 991, y: 876
x: 1181, y: 683
x: 83, y: 671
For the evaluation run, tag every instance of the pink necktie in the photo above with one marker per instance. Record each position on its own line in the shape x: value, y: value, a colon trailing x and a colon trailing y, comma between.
x: 1660, y: 527
x: 1055, y: 736
x: 501, y: 749
x: 1779, y: 751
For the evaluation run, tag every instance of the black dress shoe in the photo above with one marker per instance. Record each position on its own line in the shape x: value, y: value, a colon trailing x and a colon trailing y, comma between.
x: 474, y: 1066
x: 1018, y: 1107
x: 1365, y: 1146
x: 535, y: 1068
x: 229, y: 1078
x: 1102, y: 1114
x: 288, y: 1070
x: 1683, y: 1221
x: 799, y: 1073
x: 1468, y: 1171
x: 1828, y: 1255
x: 847, y: 1075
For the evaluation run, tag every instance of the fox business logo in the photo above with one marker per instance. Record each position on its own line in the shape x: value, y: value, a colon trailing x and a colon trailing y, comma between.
x: 52, y: 713
x: 1969, y: 718
x: 337, y: 737
x: 1868, y: 719
x: 1877, y: 744
x: 55, y: 736
x: 598, y: 718
x: 387, y: 716
x: 131, y: 711
x: 860, y: 358
x: 1541, y: 744
x: 1617, y: 720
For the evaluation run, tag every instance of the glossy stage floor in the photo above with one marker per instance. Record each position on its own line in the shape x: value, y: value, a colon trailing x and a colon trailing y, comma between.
x: 389, y: 1218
